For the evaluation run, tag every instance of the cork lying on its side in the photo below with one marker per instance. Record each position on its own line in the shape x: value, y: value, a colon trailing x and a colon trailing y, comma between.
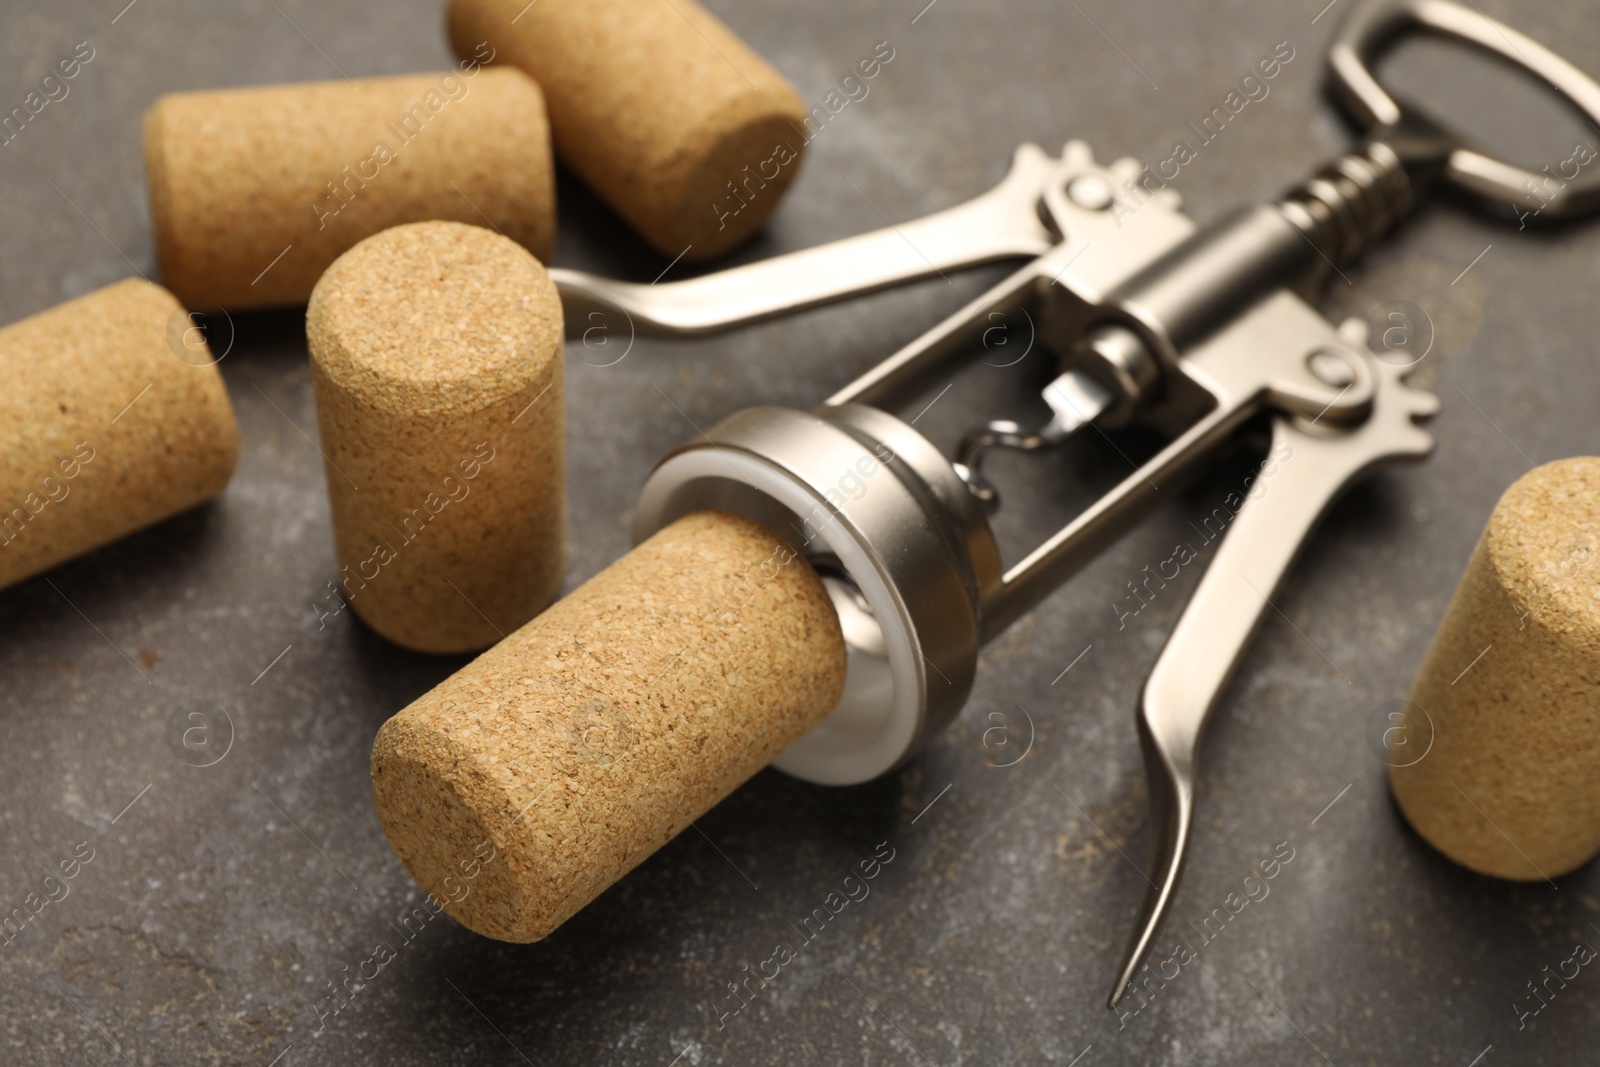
x: 254, y: 192
x: 436, y: 359
x: 1509, y: 695
x: 112, y: 417
x: 553, y: 764
x: 684, y: 130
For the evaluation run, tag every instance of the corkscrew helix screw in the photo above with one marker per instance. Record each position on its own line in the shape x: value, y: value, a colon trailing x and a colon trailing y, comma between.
x: 1352, y: 202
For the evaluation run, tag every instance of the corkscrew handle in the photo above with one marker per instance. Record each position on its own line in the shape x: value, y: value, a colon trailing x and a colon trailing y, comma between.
x: 1377, y: 26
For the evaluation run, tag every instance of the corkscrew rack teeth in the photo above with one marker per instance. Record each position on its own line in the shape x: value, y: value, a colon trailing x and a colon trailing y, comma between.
x: 1156, y: 321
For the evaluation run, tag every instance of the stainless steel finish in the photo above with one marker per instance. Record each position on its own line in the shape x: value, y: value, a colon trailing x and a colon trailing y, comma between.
x: 1350, y: 203
x: 1330, y: 368
x: 999, y: 433
x: 1076, y: 399
x: 1113, y: 354
x: 918, y: 364
x: 1113, y: 377
x: 1091, y: 191
x: 1258, y: 361
x: 1067, y: 286
x: 1205, y: 647
x: 859, y: 624
x: 1191, y: 292
x: 1377, y: 25
x: 1003, y: 223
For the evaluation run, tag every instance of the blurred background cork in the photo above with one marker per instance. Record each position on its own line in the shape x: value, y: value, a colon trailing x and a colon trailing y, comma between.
x: 112, y: 417
x: 254, y: 192
x: 680, y: 126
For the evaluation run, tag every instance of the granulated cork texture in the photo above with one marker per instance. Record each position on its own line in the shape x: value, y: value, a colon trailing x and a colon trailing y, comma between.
x: 684, y: 130
x: 589, y: 738
x: 254, y: 192
x: 112, y: 416
x: 436, y: 358
x: 1511, y: 785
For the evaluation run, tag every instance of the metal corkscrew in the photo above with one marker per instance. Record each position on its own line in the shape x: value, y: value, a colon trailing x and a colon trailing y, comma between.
x: 1157, y: 322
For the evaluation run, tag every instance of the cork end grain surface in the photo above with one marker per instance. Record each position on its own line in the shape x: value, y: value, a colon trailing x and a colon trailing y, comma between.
x: 658, y: 106
x: 1511, y: 785
x: 437, y: 365
x: 436, y: 319
x: 112, y: 416
x: 241, y: 177
x: 527, y: 783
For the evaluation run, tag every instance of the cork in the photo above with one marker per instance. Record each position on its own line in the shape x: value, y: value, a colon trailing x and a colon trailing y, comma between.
x: 1511, y: 686
x: 436, y: 361
x: 254, y: 192
x: 554, y: 763
x: 685, y: 131
x: 113, y: 416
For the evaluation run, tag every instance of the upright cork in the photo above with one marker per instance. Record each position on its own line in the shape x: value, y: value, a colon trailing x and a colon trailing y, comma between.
x: 684, y: 130
x: 254, y: 192
x: 436, y: 360
x: 554, y: 763
x: 112, y: 416
x: 1509, y: 694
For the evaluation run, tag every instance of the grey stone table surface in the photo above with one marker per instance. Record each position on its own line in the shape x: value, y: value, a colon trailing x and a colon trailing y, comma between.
x: 224, y: 905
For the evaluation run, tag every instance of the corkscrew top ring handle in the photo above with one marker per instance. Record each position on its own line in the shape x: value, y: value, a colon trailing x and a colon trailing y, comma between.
x: 1376, y: 26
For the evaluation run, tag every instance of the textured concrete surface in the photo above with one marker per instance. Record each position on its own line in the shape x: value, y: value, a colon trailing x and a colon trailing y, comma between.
x: 233, y: 913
